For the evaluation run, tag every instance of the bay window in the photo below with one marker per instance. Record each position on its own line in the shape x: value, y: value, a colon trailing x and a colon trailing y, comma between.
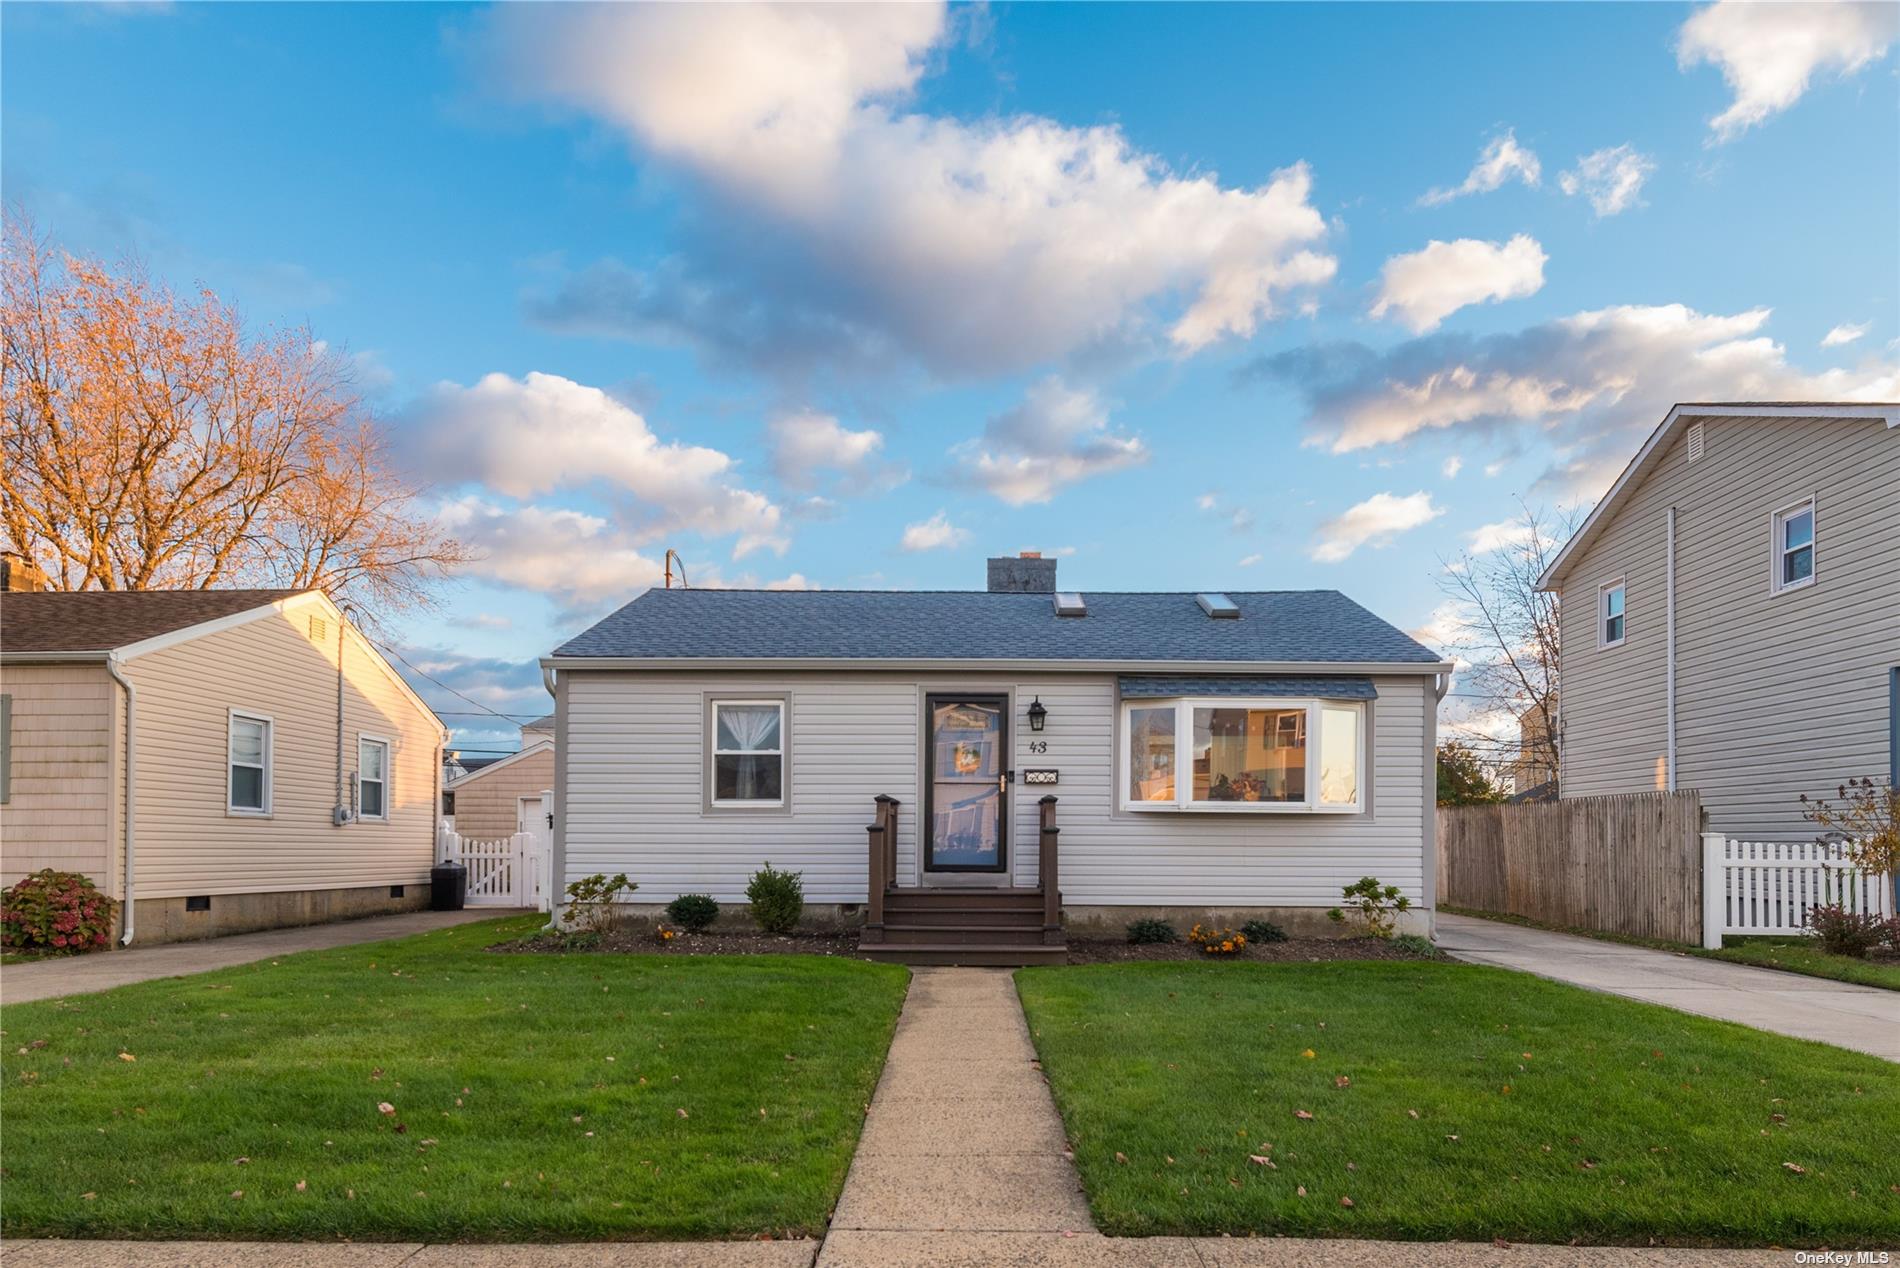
x: 1250, y: 755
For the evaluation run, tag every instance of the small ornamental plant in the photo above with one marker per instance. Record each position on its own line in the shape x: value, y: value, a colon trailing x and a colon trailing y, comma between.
x: 1214, y: 941
x: 1150, y: 930
x: 1849, y: 933
x: 693, y: 912
x: 57, y: 913
x: 1263, y: 931
x: 590, y: 901
x: 777, y: 898
x: 1374, y: 905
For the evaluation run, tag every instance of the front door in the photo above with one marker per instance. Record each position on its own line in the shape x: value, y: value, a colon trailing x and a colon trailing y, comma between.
x: 966, y: 790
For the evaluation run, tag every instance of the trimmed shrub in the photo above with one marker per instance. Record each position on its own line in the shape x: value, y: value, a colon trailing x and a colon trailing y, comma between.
x: 590, y: 901
x: 777, y: 898
x: 1152, y: 929
x: 1416, y: 944
x: 1844, y: 932
x: 62, y: 913
x: 1263, y: 931
x: 693, y: 912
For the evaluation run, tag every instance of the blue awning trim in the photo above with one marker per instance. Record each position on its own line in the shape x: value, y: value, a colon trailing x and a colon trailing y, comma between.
x: 1155, y: 686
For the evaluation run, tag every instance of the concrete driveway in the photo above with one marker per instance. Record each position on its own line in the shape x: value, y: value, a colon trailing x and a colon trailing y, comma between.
x: 1864, y: 1018
x: 103, y: 970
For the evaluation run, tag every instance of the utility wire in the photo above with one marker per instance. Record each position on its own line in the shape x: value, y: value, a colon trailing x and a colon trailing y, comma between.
x: 438, y: 682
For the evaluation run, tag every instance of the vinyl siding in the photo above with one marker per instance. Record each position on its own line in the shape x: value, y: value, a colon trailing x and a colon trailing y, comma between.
x: 485, y: 802
x: 59, y: 812
x: 188, y: 844
x: 634, y: 795
x: 1777, y: 694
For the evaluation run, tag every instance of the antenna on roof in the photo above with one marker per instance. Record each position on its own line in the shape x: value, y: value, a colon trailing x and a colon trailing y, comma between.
x: 673, y: 557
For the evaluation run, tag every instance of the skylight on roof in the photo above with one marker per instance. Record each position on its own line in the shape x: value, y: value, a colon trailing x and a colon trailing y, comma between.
x: 1218, y: 606
x: 1069, y: 603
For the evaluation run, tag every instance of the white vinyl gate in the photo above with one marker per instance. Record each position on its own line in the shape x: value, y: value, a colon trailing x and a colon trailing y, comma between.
x: 510, y: 871
x: 1767, y: 887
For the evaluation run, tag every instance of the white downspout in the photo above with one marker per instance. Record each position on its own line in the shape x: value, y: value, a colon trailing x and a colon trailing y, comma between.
x: 131, y: 787
x: 1669, y: 676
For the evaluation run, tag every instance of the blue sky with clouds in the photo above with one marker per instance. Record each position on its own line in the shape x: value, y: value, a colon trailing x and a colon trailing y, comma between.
x: 1200, y: 296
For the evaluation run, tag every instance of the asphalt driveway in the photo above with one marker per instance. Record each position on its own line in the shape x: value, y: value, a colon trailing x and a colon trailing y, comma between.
x: 1864, y: 1018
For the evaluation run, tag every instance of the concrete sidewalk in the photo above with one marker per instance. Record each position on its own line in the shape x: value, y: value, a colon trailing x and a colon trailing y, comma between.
x: 1864, y: 1018
x: 103, y: 970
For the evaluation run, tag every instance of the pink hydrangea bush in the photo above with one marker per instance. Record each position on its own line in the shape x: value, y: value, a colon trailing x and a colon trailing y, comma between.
x: 59, y: 913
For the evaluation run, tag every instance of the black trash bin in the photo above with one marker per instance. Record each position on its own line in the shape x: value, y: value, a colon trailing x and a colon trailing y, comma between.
x: 448, y: 887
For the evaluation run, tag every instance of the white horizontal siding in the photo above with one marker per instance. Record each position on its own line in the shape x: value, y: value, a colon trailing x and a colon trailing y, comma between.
x: 634, y: 787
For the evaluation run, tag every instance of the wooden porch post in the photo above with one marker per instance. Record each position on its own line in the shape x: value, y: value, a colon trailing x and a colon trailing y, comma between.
x: 881, y: 866
x: 1046, y: 873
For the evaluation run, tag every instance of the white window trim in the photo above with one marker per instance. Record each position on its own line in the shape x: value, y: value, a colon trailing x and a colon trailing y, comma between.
x: 389, y: 771
x: 1778, y: 552
x: 1603, y: 613
x: 712, y: 761
x: 270, y: 745
x: 1184, y: 803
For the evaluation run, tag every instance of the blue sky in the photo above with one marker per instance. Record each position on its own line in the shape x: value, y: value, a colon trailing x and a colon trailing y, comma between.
x: 1224, y: 296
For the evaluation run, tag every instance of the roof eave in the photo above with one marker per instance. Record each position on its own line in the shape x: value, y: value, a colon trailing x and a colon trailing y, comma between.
x: 53, y: 658
x: 1553, y: 576
x: 1027, y: 665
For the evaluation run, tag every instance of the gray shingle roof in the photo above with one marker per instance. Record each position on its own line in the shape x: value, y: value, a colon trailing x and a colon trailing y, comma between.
x: 1302, y: 626
x: 105, y: 620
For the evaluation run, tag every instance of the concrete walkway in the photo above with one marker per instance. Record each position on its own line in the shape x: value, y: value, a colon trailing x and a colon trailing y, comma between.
x: 103, y: 970
x: 1864, y: 1018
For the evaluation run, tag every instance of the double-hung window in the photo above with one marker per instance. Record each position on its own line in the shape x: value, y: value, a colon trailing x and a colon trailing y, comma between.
x: 249, y: 761
x: 748, y: 753
x: 1244, y: 754
x: 1611, y: 621
x: 1794, y: 546
x: 372, y: 777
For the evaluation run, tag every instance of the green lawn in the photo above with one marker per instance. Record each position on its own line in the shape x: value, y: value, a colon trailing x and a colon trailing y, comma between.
x: 535, y: 1096
x: 1791, y: 955
x: 1475, y: 1103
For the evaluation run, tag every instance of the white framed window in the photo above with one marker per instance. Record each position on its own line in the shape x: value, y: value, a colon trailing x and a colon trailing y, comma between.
x: 248, y: 763
x: 372, y: 777
x: 1793, y: 561
x: 748, y: 753
x: 1612, y: 620
x: 1244, y: 754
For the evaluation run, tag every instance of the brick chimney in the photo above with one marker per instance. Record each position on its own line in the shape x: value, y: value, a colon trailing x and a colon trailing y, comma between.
x: 1027, y: 573
x: 17, y: 572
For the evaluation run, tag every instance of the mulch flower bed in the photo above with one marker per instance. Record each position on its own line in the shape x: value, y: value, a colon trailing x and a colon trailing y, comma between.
x: 642, y: 940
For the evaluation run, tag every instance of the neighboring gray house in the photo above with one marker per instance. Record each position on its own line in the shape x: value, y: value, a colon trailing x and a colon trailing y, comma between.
x: 1208, y: 755
x: 1731, y: 614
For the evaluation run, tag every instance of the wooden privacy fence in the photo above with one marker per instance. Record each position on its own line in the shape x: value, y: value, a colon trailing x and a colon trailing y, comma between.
x: 1629, y: 864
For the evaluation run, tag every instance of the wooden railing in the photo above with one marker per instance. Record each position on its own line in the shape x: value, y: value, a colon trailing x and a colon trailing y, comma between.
x: 1046, y: 875
x: 883, y: 866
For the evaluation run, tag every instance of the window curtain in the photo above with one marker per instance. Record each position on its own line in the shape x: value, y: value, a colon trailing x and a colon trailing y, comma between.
x: 748, y: 728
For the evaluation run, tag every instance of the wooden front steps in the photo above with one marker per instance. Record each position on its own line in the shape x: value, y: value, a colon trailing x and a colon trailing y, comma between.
x: 976, y: 926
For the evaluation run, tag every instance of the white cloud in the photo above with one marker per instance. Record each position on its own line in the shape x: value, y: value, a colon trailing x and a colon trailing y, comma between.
x: 1591, y: 384
x: 530, y: 436
x: 1425, y: 287
x: 1845, y: 333
x: 483, y: 621
x: 806, y: 444
x: 975, y: 246
x: 1374, y: 522
x: 1453, y: 465
x: 1206, y: 501
x: 1612, y: 179
x: 1501, y: 159
x: 1446, y: 627
x: 1769, y: 52
x: 1056, y: 437
x: 1499, y: 536
x: 935, y: 533
x: 1249, y: 561
x: 580, y: 561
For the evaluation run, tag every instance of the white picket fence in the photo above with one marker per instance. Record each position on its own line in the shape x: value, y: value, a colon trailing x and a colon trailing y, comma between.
x: 511, y: 871
x: 1767, y: 887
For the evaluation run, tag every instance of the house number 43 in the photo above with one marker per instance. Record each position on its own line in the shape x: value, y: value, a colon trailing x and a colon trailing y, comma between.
x: 1039, y: 746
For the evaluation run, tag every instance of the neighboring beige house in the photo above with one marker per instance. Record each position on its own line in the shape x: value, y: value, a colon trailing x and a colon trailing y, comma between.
x: 280, y: 771
x: 498, y: 798
x: 1731, y: 614
x: 1533, y: 772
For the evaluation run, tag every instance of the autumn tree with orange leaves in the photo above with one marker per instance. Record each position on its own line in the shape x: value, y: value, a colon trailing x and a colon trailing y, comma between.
x: 153, y: 443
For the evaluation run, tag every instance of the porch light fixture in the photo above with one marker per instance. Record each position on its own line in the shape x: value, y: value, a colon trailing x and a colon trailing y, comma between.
x: 1037, y: 714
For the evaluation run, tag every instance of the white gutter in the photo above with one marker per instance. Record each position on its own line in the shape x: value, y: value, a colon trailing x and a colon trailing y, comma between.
x: 1425, y: 668
x: 1669, y: 677
x: 131, y: 788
